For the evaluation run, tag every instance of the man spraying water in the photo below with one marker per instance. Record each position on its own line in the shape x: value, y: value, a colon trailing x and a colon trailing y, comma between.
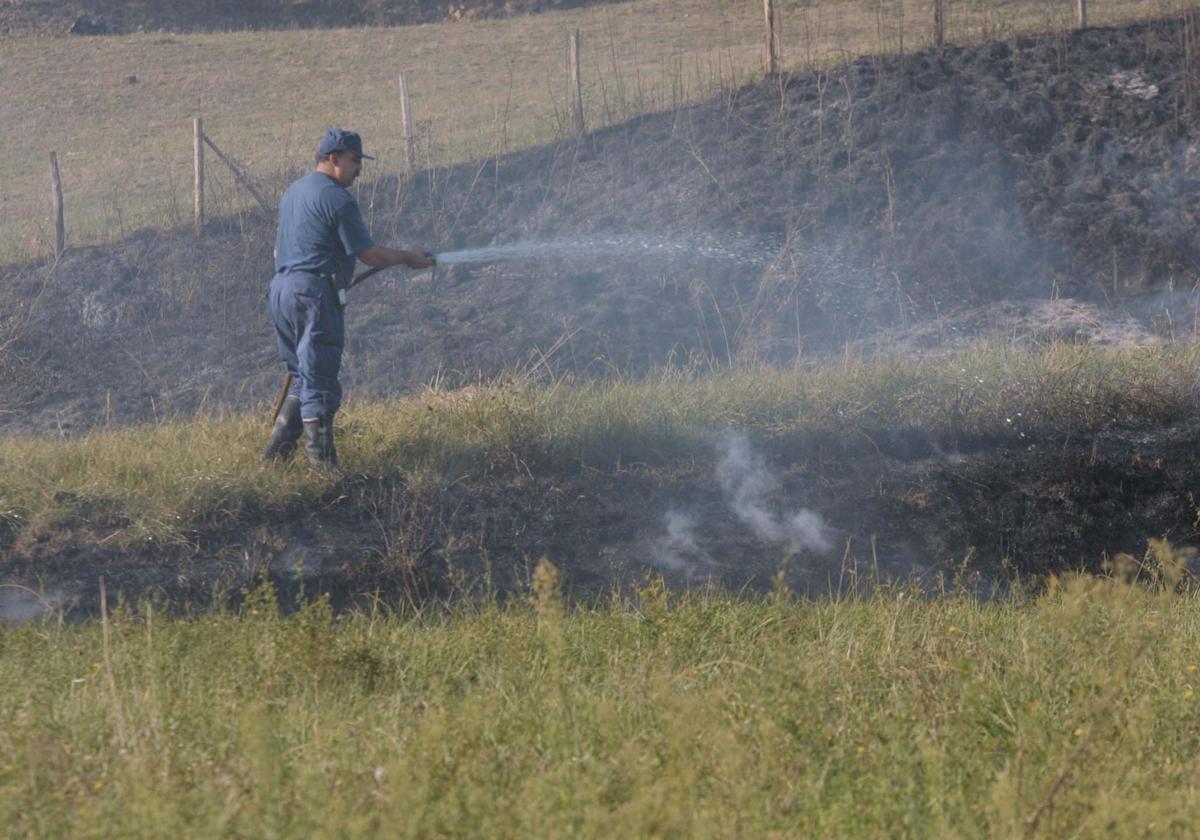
x: 321, y: 232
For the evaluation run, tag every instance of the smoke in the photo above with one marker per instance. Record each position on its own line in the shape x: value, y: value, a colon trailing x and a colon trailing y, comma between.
x: 19, y: 604
x: 747, y: 484
x: 678, y: 550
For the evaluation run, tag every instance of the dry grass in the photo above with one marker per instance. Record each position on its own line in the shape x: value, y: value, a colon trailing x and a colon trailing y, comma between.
x: 479, y: 89
x: 1073, y: 714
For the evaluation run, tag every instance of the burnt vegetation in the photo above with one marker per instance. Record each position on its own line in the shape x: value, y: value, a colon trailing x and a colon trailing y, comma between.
x: 963, y: 187
x: 878, y: 195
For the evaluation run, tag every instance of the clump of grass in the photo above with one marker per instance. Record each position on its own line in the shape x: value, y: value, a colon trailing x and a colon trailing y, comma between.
x: 707, y: 715
x: 164, y: 482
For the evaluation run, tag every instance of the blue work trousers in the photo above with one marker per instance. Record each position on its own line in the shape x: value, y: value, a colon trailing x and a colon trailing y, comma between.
x: 310, y: 331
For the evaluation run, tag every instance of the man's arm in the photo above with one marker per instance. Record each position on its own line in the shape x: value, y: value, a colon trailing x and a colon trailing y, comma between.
x: 379, y: 256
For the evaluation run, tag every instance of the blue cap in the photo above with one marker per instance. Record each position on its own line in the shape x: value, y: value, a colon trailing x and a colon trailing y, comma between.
x: 340, y: 140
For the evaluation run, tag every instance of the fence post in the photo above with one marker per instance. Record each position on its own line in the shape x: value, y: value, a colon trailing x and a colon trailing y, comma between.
x: 939, y: 23
x: 769, y: 13
x: 576, y: 84
x: 198, y: 140
x: 406, y: 126
x: 56, y: 197
x: 1083, y: 14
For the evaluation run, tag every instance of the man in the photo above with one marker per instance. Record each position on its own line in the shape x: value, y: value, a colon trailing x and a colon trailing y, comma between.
x: 321, y: 232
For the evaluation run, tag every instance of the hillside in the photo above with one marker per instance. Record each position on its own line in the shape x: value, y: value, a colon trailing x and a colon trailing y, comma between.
x: 896, y: 209
x: 1034, y: 187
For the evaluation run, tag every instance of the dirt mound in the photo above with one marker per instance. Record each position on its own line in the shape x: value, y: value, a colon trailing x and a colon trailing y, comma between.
x: 114, y: 17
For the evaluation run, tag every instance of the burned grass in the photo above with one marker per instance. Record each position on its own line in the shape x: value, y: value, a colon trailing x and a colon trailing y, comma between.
x: 909, y: 202
x: 1006, y: 460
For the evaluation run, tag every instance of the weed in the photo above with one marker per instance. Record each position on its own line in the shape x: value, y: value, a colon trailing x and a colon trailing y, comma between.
x: 700, y: 715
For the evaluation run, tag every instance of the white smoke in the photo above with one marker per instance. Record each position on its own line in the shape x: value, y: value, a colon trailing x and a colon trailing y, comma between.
x: 747, y: 484
x: 19, y: 603
x: 678, y: 550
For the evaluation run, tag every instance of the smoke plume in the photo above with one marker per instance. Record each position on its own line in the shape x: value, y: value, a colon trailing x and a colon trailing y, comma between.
x: 747, y: 484
x: 678, y: 550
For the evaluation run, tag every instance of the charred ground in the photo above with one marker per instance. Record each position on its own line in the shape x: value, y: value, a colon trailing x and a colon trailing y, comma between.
x: 914, y: 201
x: 882, y: 195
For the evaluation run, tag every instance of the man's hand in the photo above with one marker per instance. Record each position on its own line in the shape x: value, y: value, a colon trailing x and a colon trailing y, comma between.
x: 420, y: 259
x: 377, y: 256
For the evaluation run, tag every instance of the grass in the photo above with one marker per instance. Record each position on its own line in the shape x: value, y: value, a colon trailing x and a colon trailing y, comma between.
x: 1071, y: 714
x: 165, y: 482
x: 479, y: 88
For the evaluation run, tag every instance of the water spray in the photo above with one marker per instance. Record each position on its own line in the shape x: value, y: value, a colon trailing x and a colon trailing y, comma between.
x: 739, y: 250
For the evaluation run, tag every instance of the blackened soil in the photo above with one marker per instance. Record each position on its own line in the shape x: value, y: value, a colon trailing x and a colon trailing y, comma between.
x: 954, y: 187
x: 884, y: 195
x: 904, y: 509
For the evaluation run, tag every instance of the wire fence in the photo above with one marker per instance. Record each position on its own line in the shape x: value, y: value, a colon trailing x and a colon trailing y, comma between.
x: 607, y: 77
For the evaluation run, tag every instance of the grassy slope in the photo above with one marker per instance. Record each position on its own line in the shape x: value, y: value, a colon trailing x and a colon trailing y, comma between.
x: 1075, y: 714
x: 479, y: 89
x: 165, y: 482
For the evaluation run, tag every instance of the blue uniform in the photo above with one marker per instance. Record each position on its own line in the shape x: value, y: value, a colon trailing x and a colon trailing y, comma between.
x: 321, y: 230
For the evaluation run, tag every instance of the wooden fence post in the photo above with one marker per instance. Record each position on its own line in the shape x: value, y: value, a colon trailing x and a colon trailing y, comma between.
x: 576, y: 84
x: 939, y: 23
x: 198, y: 147
x: 56, y: 197
x: 406, y: 127
x: 769, y: 13
x: 1083, y: 14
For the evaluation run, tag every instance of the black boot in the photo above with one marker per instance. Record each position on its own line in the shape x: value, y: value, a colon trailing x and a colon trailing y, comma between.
x: 318, y: 442
x: 286, y: 432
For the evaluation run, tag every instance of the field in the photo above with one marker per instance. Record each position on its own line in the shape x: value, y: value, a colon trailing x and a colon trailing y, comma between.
x: 823, y: 466
x: 479, y: 89
x: 1071, y: 714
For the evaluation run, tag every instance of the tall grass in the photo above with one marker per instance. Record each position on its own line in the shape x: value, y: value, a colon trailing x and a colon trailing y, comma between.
x: 1073, y: 714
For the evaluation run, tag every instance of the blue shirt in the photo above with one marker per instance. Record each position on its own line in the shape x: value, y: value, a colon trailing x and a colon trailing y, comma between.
x: 321, y: 229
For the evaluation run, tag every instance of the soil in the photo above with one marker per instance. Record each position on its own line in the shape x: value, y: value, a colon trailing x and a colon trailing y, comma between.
x: 971, y: 517
x: 1039, y: 187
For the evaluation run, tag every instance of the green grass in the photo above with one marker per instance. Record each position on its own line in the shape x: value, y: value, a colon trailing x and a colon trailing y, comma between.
x: 479, y: 89
x: 165, y: 482
x: 1072, y: 714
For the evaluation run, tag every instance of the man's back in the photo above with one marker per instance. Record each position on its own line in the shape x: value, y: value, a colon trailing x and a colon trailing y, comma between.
x: 320, y: 228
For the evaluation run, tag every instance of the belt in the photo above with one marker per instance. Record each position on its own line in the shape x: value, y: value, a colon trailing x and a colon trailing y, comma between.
x: 324, y: 275
x: 331, y: 279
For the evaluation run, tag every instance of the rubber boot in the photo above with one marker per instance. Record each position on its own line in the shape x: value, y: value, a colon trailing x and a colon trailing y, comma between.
x: 287, y: 430
x: 318, y: 442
